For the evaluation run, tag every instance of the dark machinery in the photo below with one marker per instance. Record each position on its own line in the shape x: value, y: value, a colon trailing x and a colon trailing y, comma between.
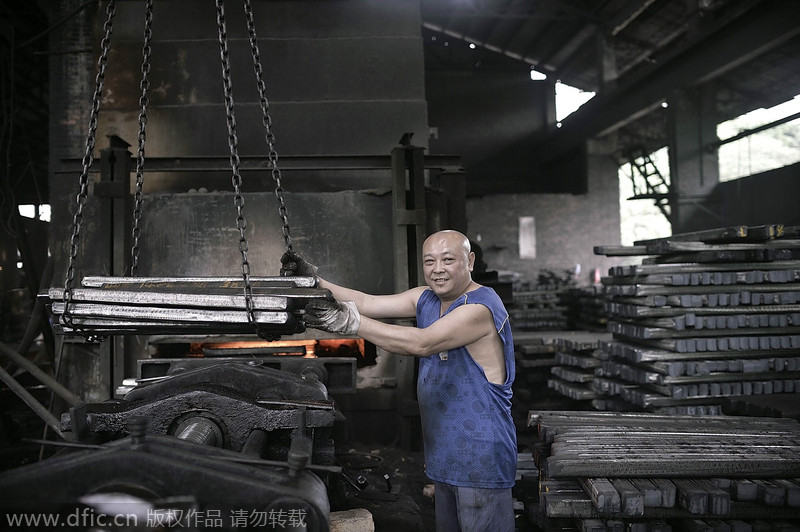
x: 235, y: 406
x: 147, y: 481
x: 238, y: 441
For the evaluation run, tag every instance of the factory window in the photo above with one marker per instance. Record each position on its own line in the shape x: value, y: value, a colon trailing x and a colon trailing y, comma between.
x: 641, y: 219
x: 569, y: 99
x: 761, y: 140
x: 40, y: 212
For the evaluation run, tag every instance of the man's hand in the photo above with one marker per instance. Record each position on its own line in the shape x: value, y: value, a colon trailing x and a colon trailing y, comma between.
x: 333, y: 316
x: 293, y: 264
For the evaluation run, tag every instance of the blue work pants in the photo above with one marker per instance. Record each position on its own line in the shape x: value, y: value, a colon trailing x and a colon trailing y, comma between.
x: 460, y: 509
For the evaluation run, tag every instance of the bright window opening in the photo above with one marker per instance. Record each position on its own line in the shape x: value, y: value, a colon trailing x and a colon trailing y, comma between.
x: 641, y: 219
x: 30, y: 211
x: 772, y: 148
x: 537, y: 76
x: 569, y: 99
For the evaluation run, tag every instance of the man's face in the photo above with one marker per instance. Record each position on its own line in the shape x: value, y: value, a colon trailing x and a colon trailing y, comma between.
x: 447, y: 265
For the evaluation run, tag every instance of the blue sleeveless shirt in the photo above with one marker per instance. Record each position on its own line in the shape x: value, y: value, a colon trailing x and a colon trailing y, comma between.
x: 469, y: 436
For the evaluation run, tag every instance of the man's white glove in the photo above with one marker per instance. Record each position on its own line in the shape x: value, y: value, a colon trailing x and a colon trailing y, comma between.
x: 293, y: 264
x: 333, y: 316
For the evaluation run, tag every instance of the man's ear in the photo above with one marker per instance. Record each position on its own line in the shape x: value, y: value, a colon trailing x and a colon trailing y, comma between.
x: 471, y: 260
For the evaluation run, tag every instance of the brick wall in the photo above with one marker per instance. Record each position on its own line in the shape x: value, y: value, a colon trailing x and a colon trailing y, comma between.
x: 568, y: 226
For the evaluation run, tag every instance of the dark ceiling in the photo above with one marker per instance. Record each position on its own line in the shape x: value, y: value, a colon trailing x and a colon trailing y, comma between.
x: 23, y: 86
x: 750, y: 49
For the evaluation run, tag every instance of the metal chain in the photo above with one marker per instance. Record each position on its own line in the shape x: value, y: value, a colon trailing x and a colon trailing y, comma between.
x: 88, y: 158
x: 236, y: 178
x: 267, y: 120
x: 144, y: 101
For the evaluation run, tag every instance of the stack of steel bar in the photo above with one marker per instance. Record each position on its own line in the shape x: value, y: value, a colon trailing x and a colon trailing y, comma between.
x: 643, y: 471
x: 183, y: 305
x: 573, y: 372
x: 533, y: 356
x: 586, y: 308
x: 538, y: 310
x: 705, y: 316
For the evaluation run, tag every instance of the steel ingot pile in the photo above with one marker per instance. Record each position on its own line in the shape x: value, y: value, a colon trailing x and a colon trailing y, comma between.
x: 183, y: 305
x: 538, y: 310
x: 643, y: 471
x: 586, y: 308
x: 574, y: 368
x: 704, y: 316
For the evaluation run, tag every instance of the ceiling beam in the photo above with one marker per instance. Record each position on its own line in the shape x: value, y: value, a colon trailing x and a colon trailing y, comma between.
x: 707, y: 57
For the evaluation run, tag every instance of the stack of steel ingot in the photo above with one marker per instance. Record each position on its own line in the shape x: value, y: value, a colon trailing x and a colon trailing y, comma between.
x: 645, y: 472
x: 586, y: 308
x: 538, y: 310
x: 705, y: 316
x: 575, y: 363
x: 183, y: 305
x: 542, y: 307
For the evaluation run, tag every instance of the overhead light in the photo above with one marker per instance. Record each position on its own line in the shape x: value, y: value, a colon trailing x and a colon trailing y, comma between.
x: 472, y: 46
x: 664, y: 105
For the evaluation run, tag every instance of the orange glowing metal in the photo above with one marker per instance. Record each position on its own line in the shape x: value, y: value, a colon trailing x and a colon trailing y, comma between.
x: 331, y: 346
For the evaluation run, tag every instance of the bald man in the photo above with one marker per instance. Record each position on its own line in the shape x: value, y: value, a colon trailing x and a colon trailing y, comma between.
x: 466, y: 368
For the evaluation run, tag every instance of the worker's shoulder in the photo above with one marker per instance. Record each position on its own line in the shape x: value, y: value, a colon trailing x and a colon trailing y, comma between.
x: 479, y: 293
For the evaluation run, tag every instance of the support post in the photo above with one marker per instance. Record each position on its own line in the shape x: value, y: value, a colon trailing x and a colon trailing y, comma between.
x: 116, y: 215
x: 408, y: 228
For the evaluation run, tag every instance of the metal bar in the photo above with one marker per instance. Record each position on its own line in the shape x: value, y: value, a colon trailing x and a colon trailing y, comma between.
x: 645, y: 269
x: 620, y: 251
x: 112, y: 327
x: 40, y: 375
x: 200, y: 282
x: 748, y: 132
x: 726, y: 343
x: 641, y: 332
x: 170, y: 298
x: 687, y: 465
x: 733, y: 255
x: 708, y: 278
x: 187, y: 315
x: 31, y: 401
x: 736, y: 232
x: 627, y: 310
x: 288, y: 163
x: 671, y: 246
x: 633, y: 290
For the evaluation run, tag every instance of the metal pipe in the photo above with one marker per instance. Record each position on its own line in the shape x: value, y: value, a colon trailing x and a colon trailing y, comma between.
x: 199, y: 430
x: 752, y: 131
x: 40, y: 375
x: 31, y: 401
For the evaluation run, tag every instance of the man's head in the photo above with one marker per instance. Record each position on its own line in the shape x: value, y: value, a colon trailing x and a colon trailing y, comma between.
x: 447, y: 262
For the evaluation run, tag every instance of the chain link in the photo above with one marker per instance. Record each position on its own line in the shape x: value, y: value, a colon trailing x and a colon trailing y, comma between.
x: 236, y: 178
x: 88, y: 158
x: 144, y: 101
x: 267, y: 121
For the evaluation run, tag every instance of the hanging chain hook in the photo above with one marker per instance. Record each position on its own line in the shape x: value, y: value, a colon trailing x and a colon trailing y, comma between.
x: 88, y: 158
x: 236, y: 178
x: 144, y: 101
x: 267, y: 121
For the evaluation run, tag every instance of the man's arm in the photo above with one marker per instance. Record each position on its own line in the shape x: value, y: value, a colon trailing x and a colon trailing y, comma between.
x: 402, y: 305
x: 463, y: 326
